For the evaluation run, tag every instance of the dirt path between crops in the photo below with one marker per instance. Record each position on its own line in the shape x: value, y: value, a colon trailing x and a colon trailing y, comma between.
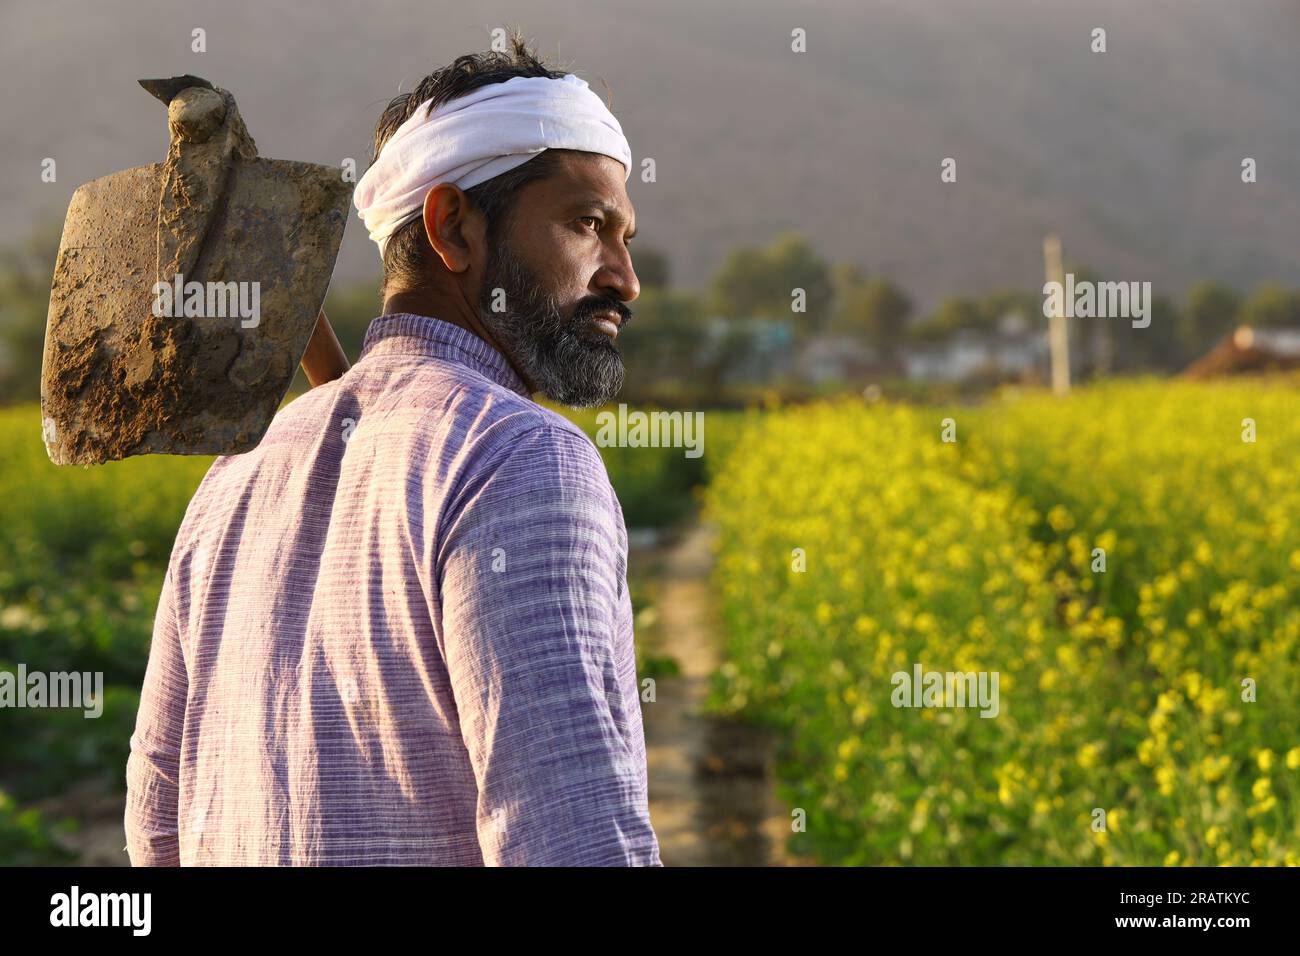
x: 99, y: 839
x: 712, y: 801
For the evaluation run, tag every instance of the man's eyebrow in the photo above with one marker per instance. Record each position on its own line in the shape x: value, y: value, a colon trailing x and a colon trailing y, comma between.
x: 610, y: 211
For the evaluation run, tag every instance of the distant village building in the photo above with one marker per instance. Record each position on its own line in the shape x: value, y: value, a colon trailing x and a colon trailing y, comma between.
x: 763, y: 346
x: 1015, y: 349
x: 1248, y: 350
x: 838, y: 358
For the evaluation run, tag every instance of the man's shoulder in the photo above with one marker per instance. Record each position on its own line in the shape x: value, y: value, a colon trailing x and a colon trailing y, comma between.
x: 446, y: 427
x: 523, y: 431
x: 546, y: 425
x: 497, y: 419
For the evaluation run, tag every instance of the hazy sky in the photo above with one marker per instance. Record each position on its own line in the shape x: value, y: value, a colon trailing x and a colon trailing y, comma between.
x: 1133, y: 154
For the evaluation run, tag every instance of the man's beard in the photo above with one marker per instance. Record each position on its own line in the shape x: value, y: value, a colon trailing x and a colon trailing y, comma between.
x: 567, y: 359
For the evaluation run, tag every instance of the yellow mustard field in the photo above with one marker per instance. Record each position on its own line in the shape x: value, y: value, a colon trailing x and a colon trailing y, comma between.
x: 1120, y: 565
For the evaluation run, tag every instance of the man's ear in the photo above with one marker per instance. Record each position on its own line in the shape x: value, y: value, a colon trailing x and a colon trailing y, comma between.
x: 453, y: 227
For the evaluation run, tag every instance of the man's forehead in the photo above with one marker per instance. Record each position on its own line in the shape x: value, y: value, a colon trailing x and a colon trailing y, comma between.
x: 593, y: 179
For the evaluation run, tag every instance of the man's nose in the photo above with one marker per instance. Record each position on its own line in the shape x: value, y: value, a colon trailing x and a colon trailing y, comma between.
x: 617, y: 277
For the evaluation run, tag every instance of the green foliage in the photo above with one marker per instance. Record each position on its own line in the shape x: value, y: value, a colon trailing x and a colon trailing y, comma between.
x: 26, y: 839
x: 653, y: 269
x: 1210, y: 313
x: 662, y: 343
x: 1271, y: 306
x: 25, y: 274
x: 875, y: 311
x: 82, y: 555
x: 758, y: 283
x: 655, y: 486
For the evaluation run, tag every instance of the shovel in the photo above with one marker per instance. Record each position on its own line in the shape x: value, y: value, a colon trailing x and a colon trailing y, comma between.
x: 186, y: 292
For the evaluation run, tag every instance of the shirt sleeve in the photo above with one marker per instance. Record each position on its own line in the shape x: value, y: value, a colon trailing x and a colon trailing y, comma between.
x: 531, y: 584
x: 152, y: 769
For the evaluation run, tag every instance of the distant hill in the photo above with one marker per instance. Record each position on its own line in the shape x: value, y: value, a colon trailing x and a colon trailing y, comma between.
x: 1134, y: 154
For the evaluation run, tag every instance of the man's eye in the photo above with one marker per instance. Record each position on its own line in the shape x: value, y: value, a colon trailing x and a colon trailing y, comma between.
x: 593, y: 220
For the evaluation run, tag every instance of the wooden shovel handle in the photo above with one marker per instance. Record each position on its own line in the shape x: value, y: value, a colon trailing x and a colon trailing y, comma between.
x: 324, y: 359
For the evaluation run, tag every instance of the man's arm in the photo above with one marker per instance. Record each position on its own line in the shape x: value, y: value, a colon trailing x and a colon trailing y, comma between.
x: 530, y: 587
x: 152, y: 770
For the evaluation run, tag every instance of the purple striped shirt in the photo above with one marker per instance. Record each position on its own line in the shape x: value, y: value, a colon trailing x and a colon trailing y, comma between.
x: 397, y: 632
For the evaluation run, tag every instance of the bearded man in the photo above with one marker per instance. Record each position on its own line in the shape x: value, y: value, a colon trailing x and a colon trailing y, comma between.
x: 398, y: 631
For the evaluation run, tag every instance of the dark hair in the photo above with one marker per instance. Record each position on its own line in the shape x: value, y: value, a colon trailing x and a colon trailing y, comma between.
x: 406, y: 255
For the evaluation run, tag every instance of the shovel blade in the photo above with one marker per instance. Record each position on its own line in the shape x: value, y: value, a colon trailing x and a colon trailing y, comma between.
x: 131, y: 368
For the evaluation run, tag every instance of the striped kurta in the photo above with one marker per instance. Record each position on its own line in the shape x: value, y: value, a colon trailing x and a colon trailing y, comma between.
x: 397, y: 632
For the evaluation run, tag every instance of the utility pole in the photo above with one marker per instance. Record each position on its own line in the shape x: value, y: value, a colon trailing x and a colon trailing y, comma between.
x: 1058, y: 333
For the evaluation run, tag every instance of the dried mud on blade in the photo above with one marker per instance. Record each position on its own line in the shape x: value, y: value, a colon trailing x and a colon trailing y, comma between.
x: 207, y: 375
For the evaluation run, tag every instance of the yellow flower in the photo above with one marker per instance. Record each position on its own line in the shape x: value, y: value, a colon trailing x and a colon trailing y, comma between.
x: 1087, y: 756
x: 1293, y: 758
x: 1213, y: 768
x: 1261, y: 787
x: 1262, y: 807
x: 1172, y: 858
x: 1265, y: 760
x: 1214, y: 701
x: 1060, y: 519
x: 1212, y: 835
x: 1166, y: 776
x: 1146, y: 752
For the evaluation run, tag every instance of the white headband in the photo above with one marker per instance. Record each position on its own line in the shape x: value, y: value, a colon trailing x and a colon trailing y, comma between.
x: 482, y: 134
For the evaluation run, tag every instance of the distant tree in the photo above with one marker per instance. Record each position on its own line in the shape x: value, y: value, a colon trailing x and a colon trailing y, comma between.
x: 759, y: 283
x: 351, y: 309
x: 958, y: 313
x: 1210, y: 314
x: 1002, y: 302
x: 1161, y: 345
x: 953, y: 314
x: 1271, y: 306
x: 26, y: 273
x: 876, y: 313
x: 653, y: 270
x: 737, y: 343
x: 666, y: 342
x: 1168, y: 347
x: 927, y: 331
x: 846, y: 279
x: 1100, y: 345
